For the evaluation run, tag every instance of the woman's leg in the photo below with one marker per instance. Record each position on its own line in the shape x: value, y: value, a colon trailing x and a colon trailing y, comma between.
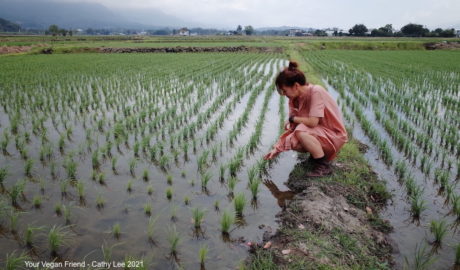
x: 310, y: 144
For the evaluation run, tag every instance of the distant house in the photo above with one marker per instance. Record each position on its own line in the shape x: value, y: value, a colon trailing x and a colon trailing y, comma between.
x: 296, y: 32
x: 329, y: 33
x: 457, y: 33
x: 184, y: 32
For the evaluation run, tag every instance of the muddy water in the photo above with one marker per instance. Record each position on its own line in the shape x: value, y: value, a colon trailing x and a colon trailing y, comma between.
x: 91, y: 226
x: 408, y: 233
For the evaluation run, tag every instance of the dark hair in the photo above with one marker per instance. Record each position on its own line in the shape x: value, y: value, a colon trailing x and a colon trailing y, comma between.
x: 290, y: 75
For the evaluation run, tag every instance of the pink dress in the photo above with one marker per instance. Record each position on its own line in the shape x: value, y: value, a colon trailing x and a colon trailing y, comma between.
x: 330, y: 131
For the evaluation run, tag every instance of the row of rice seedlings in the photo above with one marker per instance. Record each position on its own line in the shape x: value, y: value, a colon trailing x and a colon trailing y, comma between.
x: 205, y: 178
x: 198, y: 216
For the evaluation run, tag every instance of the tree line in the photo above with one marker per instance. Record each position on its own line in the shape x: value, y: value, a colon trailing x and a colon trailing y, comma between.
x: 408, y: 30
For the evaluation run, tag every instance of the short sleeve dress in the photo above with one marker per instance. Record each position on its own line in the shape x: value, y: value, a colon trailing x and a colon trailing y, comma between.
x: 330, y: 131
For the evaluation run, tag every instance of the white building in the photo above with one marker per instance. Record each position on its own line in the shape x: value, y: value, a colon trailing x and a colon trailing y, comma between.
x: 184, y: 32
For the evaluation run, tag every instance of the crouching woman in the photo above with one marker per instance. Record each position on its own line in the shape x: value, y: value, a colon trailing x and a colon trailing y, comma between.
x: 315, y: 123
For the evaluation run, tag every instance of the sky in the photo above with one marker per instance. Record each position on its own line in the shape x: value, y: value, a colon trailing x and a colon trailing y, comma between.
x: 302, y: 13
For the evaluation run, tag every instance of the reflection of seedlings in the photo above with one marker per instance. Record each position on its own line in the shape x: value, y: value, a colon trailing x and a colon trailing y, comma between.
x: 239, y: 202
x: 198, y: 216
x: 226, y: 222
x: 42, y: 185
x: 203, y: 255
x: 145, y: 175
x: 439, y: 230
x: 169, y: 193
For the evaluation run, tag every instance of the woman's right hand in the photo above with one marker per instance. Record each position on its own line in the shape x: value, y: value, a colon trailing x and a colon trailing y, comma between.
x: 288, y: 126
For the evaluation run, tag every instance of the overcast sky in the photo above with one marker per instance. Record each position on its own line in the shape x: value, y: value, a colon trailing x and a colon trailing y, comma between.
x: 302, y: 13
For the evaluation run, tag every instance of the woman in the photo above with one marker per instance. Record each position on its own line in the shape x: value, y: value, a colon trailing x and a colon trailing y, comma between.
x: 315, y: 122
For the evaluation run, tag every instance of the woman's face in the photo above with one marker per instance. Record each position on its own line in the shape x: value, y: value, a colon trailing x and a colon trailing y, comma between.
x: 289, y: 91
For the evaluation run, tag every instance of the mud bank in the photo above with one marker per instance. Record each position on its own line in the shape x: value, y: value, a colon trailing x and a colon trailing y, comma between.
x: 328, y: 223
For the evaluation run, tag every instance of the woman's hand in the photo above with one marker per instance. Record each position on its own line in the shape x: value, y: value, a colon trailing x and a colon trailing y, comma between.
x: 289, y: 126
x: 270, y: 155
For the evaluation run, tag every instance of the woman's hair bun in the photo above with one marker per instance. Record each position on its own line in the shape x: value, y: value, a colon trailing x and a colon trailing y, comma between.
x: 293, y: 65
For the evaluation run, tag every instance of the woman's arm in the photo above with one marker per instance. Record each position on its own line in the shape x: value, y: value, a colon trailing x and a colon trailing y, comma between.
x: 311, y: 121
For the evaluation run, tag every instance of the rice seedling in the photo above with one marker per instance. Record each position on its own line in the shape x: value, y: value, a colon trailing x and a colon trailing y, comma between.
x: 164, y: 161
x: 151, y: 228
x: 192, y: 182
x: 203, y: 254
x: 129, y: 186
x: 198, y: 216
x: 169, y: 179
x: 132, y: 166
x: 254, y: 186
x: 58, y: 208
x: 145, y: 175
x: 226, y: 222
x: 136, y: 149
x: 61, y: 143
x: 205, y: 178
x: 423, y: 259
x: 174, y: 213
x: 17, y: 190
x: 148, y: 209
x: 95, y: 159
x: 63, y: 185
x: 58, y: 236
x: 231, y: 184
x: 37, y: 201
x: 42, y: 185
x: 222, y: 172
x: 29, y: 234
x: 149, y: 189
x: 417, y: 206
x: 100, y: 201
x: 183, y: 174
x: 186, y: 200
x: 439, y: 230
x: 28, y: 167
x: 239, y: 202
x: 71, y: 168
x: 81, y: 189
x: 13, y: 261
x: 169, y: 193
x: 67, y: 213
x: 114, y: 164
x: 116, y: 230
x: 217, y: 205
x: 3, y: 175
x: 14, y: 218
x: 101, y: 178
x: 174, y: 240
x: 53, y: 169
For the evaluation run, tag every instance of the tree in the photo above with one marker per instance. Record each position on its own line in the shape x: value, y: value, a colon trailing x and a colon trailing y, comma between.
x: 320, y: 33
x: 358, y: 30
x: 386, y: 31
x: 239, y: 30
x: 414, y: 30
x: 53, y: 29
x: 249, y: 30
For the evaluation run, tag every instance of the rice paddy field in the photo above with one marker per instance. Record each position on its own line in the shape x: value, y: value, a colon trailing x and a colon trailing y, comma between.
x: 157, y: 157
x: 152, y: 156
x: 406, y: 105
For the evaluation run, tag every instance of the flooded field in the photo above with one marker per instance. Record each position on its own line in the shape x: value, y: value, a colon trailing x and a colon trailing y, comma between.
x: 128, y: 157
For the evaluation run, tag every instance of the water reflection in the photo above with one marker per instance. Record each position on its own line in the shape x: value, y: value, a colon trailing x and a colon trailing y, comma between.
x: 281, y: 196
